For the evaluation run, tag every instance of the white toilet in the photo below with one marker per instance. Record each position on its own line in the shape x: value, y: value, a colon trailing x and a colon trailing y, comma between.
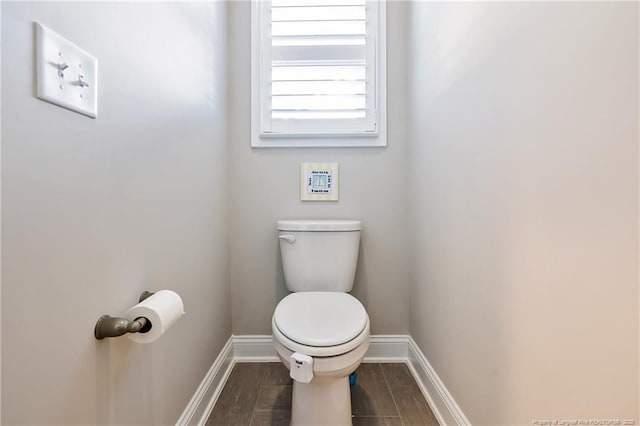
x: 324, y: 328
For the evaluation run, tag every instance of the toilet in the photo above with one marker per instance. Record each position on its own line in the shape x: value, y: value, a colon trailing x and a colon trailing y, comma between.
x: 320, y: 332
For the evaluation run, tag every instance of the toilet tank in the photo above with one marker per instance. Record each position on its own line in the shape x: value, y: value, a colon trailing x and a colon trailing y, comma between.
x: 319, y: 255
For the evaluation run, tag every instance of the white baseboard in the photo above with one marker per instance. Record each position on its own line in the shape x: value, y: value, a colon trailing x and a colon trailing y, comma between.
x: 210, y: 388
x: 382, y: 348
x: 254, y: 348
x: 259, y: 348
x: 387, y: 348
x: 442, y: 404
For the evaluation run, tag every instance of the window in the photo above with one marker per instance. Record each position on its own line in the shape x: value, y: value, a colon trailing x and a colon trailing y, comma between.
x: 318, y: 73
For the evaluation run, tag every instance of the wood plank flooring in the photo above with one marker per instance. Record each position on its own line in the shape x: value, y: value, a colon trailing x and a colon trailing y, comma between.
x: 259, y: 394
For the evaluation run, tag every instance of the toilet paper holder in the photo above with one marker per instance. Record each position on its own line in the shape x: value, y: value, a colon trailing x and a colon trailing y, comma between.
x: 108, y: 326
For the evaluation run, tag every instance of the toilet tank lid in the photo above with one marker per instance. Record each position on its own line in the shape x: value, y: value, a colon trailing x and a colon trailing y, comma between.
x: 319, y: 225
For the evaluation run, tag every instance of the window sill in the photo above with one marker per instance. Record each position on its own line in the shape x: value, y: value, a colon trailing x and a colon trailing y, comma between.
x: 362, y: 140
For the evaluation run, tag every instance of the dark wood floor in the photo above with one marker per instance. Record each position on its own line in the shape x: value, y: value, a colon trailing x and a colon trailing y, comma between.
x: 259, y: 394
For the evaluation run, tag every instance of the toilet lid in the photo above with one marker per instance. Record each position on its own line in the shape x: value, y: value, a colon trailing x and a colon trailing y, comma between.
x: 320, y: 318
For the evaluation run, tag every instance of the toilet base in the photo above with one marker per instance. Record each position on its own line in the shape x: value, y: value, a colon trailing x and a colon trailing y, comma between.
x: 326, y: 401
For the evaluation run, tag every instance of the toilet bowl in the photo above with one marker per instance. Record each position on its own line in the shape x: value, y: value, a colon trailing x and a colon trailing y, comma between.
x: 333, y: 329
x: 320, y: 332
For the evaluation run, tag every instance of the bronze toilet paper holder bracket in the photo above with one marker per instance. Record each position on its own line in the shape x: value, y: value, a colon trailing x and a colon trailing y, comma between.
x: 108, y: 326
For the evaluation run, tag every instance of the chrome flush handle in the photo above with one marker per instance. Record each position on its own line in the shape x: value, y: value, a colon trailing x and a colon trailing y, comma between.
x: 289, y: 238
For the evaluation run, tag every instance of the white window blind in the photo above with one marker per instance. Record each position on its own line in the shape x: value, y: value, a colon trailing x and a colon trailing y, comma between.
x: 318, y: 68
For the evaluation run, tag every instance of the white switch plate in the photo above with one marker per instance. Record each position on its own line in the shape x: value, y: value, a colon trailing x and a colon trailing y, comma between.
x: 66, y: 74
x: 319, y: 182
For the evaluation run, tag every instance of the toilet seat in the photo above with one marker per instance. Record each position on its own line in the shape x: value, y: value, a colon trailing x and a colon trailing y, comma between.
x: 320, y: 323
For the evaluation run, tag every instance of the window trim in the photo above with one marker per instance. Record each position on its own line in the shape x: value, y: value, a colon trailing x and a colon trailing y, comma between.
x: 260, y: 80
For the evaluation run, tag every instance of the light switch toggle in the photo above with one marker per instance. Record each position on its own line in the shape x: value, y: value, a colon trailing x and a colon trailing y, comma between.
x: 81, y: 81
x: 61, y: 67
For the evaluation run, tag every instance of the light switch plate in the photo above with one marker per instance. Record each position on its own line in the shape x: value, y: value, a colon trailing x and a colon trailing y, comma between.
x: 66, y: 75
x: 319, y: 182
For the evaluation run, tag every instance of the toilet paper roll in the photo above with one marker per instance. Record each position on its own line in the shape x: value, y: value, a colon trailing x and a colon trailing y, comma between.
x: 162, y: 309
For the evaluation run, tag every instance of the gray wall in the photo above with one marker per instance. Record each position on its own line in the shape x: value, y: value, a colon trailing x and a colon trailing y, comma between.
x: 519, y: 176
x: 95, y: 211
x: 265, y: 187
x: 524, y: 212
